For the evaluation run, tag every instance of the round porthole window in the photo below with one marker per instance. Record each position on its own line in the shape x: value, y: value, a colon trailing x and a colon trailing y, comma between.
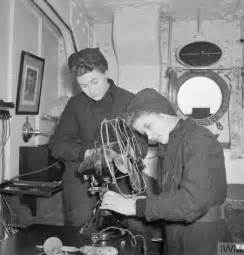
x: 199, y: 54
x: 201, y: 95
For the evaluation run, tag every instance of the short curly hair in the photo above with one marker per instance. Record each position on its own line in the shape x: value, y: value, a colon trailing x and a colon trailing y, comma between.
x: 87, y: 60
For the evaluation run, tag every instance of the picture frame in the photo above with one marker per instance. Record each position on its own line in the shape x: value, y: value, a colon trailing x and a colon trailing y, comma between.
x: 29, y: 83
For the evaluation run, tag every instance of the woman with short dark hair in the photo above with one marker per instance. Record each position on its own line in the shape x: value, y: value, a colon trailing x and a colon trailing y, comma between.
x: 79, y: 127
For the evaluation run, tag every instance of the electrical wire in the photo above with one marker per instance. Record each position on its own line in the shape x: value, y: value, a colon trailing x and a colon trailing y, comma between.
x: 132, y: 237
x: 8, y: 130
x: 3, y: 142
x: 8, y: 223
x: 233, y: 236
x: 34, y: 172
x: 4, y: 139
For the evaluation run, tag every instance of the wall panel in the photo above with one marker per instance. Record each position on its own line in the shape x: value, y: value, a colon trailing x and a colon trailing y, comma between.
x: 50, y: 52
x: 4, y: 46
x: 25, y: 37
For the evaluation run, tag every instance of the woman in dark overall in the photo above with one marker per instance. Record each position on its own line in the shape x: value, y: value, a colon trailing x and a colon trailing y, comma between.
x: 79, y: 127
x: 191, y: 176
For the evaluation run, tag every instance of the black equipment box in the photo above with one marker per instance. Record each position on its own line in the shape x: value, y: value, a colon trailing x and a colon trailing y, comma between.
x: 32, y: 158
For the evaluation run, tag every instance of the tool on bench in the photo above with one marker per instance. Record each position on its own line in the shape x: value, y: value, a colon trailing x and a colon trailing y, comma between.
x: 54, y: 246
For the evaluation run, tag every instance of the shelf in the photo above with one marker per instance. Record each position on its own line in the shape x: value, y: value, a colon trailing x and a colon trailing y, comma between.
x: 32, y: 188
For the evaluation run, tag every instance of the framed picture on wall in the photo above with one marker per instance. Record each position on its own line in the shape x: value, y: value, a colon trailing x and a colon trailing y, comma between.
x: 29, y: 83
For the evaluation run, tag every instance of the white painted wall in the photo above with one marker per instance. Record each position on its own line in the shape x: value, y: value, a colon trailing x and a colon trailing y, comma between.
x: 73, y: 12
x: 25, y: 31
x: 80, y: 24
x: 4, y: 60
x: 4, y: 45
x: 102, y: 38
x: 136, y: 40
x: 54, y: 67
x: 62, y: 7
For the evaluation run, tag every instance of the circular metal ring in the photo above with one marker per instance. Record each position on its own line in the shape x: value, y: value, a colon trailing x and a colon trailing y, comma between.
x: 225, y: 90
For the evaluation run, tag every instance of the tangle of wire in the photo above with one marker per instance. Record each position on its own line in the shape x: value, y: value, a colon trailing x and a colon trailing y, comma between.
x: 8, y: 223
x: 6, y: 130
x: 127, y: 148
x: 133, y: 237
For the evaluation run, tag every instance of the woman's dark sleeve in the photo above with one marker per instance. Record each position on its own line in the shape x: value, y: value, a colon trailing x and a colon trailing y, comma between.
x: 203, y: 184
x: 64, y: 143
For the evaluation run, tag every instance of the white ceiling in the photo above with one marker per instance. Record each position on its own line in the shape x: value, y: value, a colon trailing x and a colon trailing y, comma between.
x: 102, y: 10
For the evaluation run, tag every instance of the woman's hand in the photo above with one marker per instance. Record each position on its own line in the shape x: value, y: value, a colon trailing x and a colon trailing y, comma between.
x: 89, y: 153
x: 115, y: 202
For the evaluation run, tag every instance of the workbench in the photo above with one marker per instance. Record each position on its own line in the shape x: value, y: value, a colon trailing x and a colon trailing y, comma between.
x: 24, y: 242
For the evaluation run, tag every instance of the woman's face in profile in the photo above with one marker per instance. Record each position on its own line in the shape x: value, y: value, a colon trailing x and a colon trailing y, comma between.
x: 153, y: 126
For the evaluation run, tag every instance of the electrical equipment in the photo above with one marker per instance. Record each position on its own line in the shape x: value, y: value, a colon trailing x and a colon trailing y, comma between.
x: 117, y: 158
x: 32, y: 158
x: 115, y: 162
x: 5, y: 114
x: 199, y: 54
x: 28, y: 131
x: 6, y: 104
